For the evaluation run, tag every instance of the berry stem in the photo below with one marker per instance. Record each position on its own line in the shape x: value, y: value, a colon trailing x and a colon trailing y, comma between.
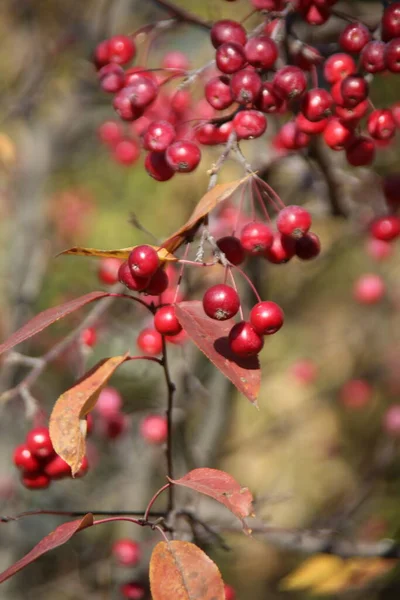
x: 183, y: 15
x: 235, y: 288
x: 181, y: 271
x: 251, y: 284
x: 79, y: 513
x: 261, y: 201
x: 154, y: 498
x: 170, y: 402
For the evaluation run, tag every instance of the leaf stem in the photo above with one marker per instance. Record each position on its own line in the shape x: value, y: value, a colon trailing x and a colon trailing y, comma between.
x: 154, y: 498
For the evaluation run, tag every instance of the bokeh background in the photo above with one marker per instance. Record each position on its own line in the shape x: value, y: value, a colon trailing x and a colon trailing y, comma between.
x: 316, y: 458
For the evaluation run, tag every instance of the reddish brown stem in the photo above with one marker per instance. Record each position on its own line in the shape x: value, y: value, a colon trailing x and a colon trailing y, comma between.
x: 154, y: 498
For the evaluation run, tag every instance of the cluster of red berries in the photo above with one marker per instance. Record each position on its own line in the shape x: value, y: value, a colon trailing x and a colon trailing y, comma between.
x: 111, y: 422
x: 38, y: 462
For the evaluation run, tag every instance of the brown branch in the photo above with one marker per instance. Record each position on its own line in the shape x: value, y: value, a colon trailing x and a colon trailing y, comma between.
x: 183, y: 15
x: 318, y: 154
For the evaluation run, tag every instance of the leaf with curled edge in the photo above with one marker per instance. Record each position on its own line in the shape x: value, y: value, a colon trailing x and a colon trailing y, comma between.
x: 121, y: 253
x: 67, y: 421
x: 206, y: 204
x: 48, y: 317
x: 56, y: 538
x: 211, y: 337
x: 181, y: 571
x: 222, y: 487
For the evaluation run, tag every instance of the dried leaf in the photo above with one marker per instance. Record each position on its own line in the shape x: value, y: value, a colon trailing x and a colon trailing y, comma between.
x: 312, y: 571
x: 180, y: 570
x: 211, y: 337
x: 222, y: 487
x: 206, y: 204
x: 56, y: 538
x: 67, y: 421
x: 121, y: 253
x: 48, y: 317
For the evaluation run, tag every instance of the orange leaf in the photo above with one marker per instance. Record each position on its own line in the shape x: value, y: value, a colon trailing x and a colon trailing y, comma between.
x: 206, y: 204
x: 181, y: 571
x: 121, y: 253
x: 222, y: 487
x: 67, y: 421
x: 56, y: 538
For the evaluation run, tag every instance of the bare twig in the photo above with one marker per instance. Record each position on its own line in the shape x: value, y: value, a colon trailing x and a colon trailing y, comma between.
x: 183, y: 15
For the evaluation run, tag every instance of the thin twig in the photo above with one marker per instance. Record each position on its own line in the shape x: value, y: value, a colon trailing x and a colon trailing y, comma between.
x: 170, y: 404
x: 183, y: 15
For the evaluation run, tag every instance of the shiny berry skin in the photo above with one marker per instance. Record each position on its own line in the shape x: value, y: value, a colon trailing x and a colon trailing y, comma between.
x: 372, y: 58
x: 266, y: 317
x: 126, y: 552
x: 57, y: 468
x: 355, y: 393
x: 227, y: 31
x: 268, y: 101
x: 154, y: 429
x: 142, y: 91
x: 244, y: 340
x: 221, y: 302
x: 143, y: 261
x: 293, y: 221
x: 232, y: 248
x: 391, y: 190
x: 157, y: 167
x: 121, y: 49
x: 135, y: 74
x: 351, y: 116
x: 136, y: 284
x: 109, y: 402
x: 369, y: 289
x: 283, y: 248
x: 35, y: 481
x: 308, y: 246
x: 391, y: 22
x: 249, y: 124
x: 112, y: 78
x: 256, y: 238
x: 354, y: 89
x: 312, y: 13
x: 316, y: 104
x: 230, y: 593
x: 165, y: 321
x: 183, y: 156
x: 230, y: 57
x: 381, y: 124
x: 88, y: 337
x: 392, y: 55
x: 336, y: 134
x: 261, y: 52
x: 386, y: 228
x: 149, y: 341
x: 108, y: 270
x: 126, y: 152
x: 25, y: 460
x: 391, y: 420
x: 338, y: 66
x: 39, y: 442
x: 124, y: 107
x: 159, y: 135
x: 289, y: 83
x: 101, y: 55
x: 245, y: 86
x: 360, y: 152
x: 291, y: 138
x: 218, y: 92
x: 310, y: 127
x: 354, y: 37
x: 158, y: 283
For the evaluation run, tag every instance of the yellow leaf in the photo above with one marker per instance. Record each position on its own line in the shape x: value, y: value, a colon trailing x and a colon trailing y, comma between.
x: 312, y: 571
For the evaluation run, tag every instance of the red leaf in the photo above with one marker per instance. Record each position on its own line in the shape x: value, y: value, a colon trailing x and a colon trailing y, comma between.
x: 181, y: 571
x: 211, y: 337
x: 56, y: 538
x: 48, y: 317
x: 222, y: 487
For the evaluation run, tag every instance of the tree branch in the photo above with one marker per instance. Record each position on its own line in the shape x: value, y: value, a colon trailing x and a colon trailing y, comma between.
x: 183, y: 15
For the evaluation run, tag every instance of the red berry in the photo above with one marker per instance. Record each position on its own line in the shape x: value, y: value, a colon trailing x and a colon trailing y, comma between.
x: 269, y: 5
x: 338, y: 66
x: 316, y: 104
x: 143, y: 261
x: 354, y: 37
x: 124, y: 107
x: 110, y: 132
x: 392, y: 55
x: 183, y: 156
x: 102, y: 54
x: 391, y: 420
x: 121, y: 49
x: 114, y: 426
x: 149, y: 341
x: 227, y: 31
x: 266, y: 317
x: 159, y: 135
x: 355, y: 393
x: 354, y: 89
x: 379, y: 249
x: 381, y: 124
x: 372, y: 58
x: 261, y: 52
x: 136, y: 284
x: 391, y: 21
x: 166, y: 322
x: 308, y: 246
x: 230, y: 57
x: 39, y: 442
x: 158, y: 283
x: 126, y: 152
x: 360, y: 152
x: 291, y: 138
x: 112, y: 78
x: 369, y: 289
x: 57, y: 468
x: 283, y: 248
x: 83, y: 469
x: 244, y: 340
x: 126, y: 552
x: 109, y: 402
x: 293, y: 221
x: 246, y: 86
x: 108, y: 270
x: 256, y: 238
x: 35, y: 481
x: 135, y: 74
x: 304, y: 371
x: 312, y: 13
x: 157, y: 166
x: 88, y: 337
x: 391, y: 190
x: 249, y: 124
x: 232, y: 248
x: 351, y: 116
x: 221, y: 302
x: 25, y: 460
x: 268, y: 101
x: 154, y: 429
x: 336, y: 134
x: 386, y: 228
x: 175, y: 60
x: 289, y: 83
x: 230, y: 593
x: 218, y: 92
x: 133, y: 591
x: 310, y: 127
